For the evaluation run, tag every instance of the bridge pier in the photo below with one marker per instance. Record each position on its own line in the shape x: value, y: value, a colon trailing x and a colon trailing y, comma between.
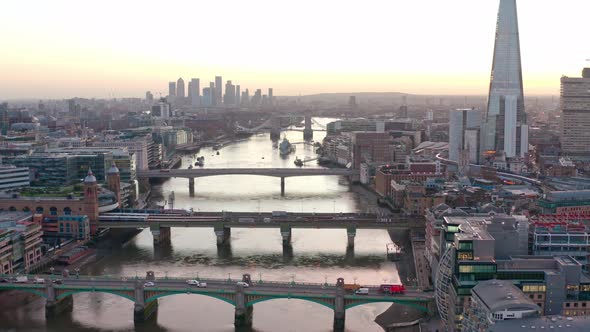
x: 161, y: 235
x: 142, y: 311
x: 54, y: 308
x: 351, y: 234
x: 282, y: 186
x: 339, y: 310
x: 243, y: 314
x: 223, y: 234
x: 191, y: 187
x: 286, y: 235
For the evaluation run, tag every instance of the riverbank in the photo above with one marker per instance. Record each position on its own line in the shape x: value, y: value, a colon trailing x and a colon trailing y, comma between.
x: 396, y: 314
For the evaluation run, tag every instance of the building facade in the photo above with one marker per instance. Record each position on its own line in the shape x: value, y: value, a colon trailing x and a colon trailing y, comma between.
x: 505, y: 128
x: 575, y: 114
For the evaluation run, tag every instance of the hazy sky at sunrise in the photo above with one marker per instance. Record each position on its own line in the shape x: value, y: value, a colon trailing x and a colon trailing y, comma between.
x: 62, y: 48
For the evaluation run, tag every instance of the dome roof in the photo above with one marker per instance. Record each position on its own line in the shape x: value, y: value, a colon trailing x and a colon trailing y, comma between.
x: 90, y: 178
x: 113, y: 169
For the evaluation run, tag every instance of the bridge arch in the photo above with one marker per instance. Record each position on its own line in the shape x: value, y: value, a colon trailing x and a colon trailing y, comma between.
x: 218, y: 296
x: 37, y: 291
x: 412, y: 304
x: 72, y: 292
x: 288, y: 297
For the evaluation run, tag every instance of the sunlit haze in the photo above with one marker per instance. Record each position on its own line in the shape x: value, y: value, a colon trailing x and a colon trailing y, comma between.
x: 60, y: 49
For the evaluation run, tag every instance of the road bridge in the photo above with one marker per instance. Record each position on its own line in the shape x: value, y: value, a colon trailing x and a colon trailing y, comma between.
x: 160, y: 222
x: 58, y: 294
x: 282, y: 173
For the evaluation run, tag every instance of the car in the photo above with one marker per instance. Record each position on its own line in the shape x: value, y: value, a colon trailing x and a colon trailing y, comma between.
x: 57, y: 281
x: 362, y: 291
x: 149, y: 284
x: 197, y: 283
x: 243, y: 284
x: 39, y: 281
x: 3, y: 280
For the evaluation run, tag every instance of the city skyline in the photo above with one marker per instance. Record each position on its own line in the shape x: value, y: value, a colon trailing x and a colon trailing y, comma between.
x: 398, y: 48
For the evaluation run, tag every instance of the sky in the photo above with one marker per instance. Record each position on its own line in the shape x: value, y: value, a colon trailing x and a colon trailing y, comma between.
x: 108, y: 48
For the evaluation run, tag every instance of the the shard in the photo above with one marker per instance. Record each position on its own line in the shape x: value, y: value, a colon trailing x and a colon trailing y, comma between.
x: 505, y: 128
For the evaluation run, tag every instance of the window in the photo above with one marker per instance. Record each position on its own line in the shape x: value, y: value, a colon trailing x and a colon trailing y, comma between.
x: 539, y: 296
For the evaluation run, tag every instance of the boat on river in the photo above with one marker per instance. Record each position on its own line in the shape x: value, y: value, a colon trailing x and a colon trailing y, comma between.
x: 286, y: 147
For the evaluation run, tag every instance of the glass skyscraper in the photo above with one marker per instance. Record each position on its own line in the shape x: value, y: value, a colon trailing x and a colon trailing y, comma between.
x: 505, y: 128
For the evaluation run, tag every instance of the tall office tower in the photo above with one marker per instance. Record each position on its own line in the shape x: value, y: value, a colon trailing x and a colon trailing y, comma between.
x: 575, y: 108
x: 230, y: 94
x: 270, y: 96
x: 213, y: 94
x: 238, y: 95
x: 194, y: 88
x: 207, y: 97
x: 245, y: 97
x: 505, y: 128
x: 460, y: 121
x: 172, y: 89
x: 149, y: 97
x: 257, y: 98
x: 218, y: 90
x: 4, y: 121
x: 180, y: 88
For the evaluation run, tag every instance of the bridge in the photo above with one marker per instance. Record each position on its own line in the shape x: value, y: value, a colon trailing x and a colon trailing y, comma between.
x: 274, y: 124
x: 282, y: 173
x: 160, y: 222
x: 243, y: 296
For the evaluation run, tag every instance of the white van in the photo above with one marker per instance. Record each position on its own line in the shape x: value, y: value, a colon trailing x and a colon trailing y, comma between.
x: 362, y: 291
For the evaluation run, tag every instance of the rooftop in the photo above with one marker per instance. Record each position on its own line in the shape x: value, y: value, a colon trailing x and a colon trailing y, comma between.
x: 499, y: 295
x: 551, y: 323
x: 14, y: 216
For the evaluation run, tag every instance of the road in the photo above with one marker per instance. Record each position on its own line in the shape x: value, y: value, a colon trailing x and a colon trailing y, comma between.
x: 213, y: 286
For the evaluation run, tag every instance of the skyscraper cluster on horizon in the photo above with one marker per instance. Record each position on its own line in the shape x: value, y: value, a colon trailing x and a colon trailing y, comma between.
x: 214, y: 95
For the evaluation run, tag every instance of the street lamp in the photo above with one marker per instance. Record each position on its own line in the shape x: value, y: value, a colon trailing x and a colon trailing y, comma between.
x: 293, y: 279
x: 354, y: 278
x: 325, y: 280
x: 260, y: 277
x: 52, y: 270
x: 166, y: 273
x: 229, y: 276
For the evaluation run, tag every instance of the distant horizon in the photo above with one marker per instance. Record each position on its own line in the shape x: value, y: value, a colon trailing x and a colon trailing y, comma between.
x: 345, y: 94
x: 63, y: 48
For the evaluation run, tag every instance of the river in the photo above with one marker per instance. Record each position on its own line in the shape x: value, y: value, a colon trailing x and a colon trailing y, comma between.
x: 318, y: 255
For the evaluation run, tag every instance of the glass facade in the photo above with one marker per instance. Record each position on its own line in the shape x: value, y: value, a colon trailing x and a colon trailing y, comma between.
x: 505, y: 114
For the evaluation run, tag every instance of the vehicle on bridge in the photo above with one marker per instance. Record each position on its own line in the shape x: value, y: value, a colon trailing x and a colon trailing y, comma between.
x: 351, y: 287
x: 149, y: 284
x: 243, y: 284
x: 362, y: 291
x: 279, y: 213
x: 392, y: 289
x: 197, y: 283
x: 21, y: 279
x: 246, y: 220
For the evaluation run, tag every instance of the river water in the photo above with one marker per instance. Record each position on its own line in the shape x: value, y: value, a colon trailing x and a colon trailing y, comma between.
x: 318, y: 255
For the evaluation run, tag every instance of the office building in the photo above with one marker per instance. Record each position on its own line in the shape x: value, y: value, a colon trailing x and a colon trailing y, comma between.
x: 575, y: 116
x: 270, y: 96
x: 149, y: 97
x: 218, y: 90
x: 194, y: 92
x: 505, y: 129
x: 561, y: 238
x: 172, y: 89
x: 20, y: 242
x: 180, y: 88
x: 459, y: 122
x: 238, y: 96
x: 497, y: 300
x: 230, y: 94
x: 574, y: 202
x: 12, y: 177
x: 213, y: 92
x: 161, y: 110
x: 207, y: 99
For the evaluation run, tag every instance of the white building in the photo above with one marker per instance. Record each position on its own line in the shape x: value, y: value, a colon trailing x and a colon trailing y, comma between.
x: 460, y: 121
x: 12, y: 177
